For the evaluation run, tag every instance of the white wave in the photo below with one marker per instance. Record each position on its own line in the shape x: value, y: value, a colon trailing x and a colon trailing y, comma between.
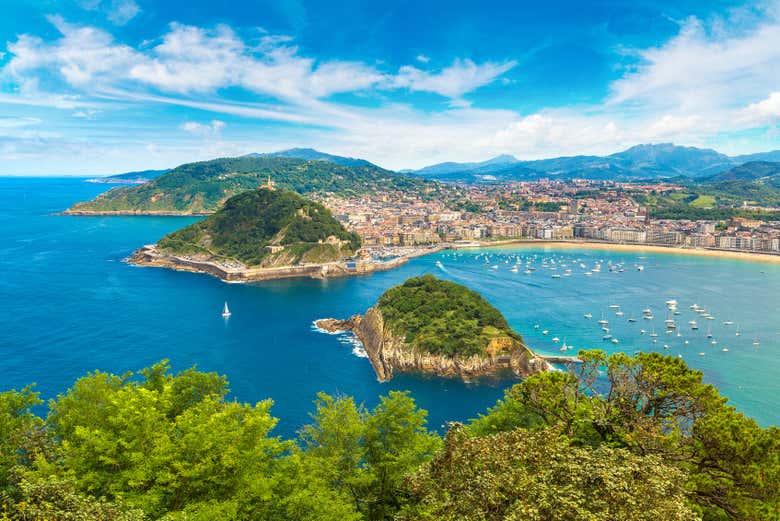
x: 349, y: 339
x: 318, y: 329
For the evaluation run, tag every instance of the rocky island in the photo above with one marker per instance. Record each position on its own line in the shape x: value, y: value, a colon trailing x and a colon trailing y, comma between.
x: 263, y: 234
x: 438, y: 327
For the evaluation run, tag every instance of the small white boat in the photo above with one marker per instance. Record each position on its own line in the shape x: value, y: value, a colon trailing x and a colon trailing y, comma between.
x: 614, y: 306
x: 614, y: 340
x: 647, y: 311
x: 587, y: 315
x: 226, y: 311
x: 728, y: 323
x: 725, y: 349
x: 619, y: 313
x: 556, y: 339
x: 603, y: 321
x: 556, y: 276
x: 545, y: 332
x: 606, y: 337
x: 632, y: 319
x: 640, y: 268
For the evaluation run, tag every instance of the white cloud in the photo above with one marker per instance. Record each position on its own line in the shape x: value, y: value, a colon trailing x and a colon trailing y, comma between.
x: 706, y: 67
x: 122, y: 11
x: 707, y: 81
x: 460, y: 78
x: 422, y: 58
x: 194, y: 60
x: 766, y: 111
x: 204, y: 130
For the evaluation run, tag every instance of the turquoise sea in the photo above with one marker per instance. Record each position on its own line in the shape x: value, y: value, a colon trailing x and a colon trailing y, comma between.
x: 70, y: 305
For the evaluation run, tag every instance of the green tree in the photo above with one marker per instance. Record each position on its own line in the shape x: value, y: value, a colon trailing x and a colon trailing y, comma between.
x: 367, y: 454
x: 537, y: 476
x: 654, y: 405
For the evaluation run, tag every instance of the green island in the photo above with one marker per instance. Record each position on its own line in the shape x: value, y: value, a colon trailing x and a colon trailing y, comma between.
x: 201, y: 188
x: 612, y: 438
x: 438, y: 327
x: 265, y: 228
x: 443, y: 317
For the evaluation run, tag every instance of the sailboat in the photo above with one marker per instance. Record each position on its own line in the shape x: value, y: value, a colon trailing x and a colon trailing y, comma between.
x: 226, y: 311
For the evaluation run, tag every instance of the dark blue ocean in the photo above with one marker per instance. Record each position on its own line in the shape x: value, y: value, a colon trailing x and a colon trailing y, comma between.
x: 71, y: 305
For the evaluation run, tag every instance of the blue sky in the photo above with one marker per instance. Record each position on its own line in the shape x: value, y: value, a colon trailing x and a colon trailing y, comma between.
x: 105, y: 86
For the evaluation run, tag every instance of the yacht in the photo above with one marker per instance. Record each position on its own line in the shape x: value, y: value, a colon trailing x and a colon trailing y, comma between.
x: 587, y: 315
x: 632, y: 319
x: 545, y: 332
x: 614, y: 340
x: 614, y: 306
x: 640, y: 268
x: 619, y: 313
x: 728, y: 323
x: 226, y: 311
x: 606, y: 337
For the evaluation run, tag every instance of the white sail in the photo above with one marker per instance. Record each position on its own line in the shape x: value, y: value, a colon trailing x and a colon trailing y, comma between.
x: 226, y: 310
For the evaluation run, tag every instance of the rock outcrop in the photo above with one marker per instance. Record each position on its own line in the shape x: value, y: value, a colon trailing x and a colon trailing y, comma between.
x: 389, y: 353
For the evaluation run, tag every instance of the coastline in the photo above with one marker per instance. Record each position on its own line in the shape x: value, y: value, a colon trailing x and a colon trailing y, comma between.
x: 132, y: 213
x: 149, y: 256
x: 766, y: 257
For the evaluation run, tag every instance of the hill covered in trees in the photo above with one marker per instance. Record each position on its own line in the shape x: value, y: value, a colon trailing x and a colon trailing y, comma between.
x: 201, y: 188
x: 443, y: 317
x: 616, y: 437
x: 265, y: 228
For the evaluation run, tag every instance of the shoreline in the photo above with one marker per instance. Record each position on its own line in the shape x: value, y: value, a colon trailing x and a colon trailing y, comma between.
x: 131, y: 213
x: 766, y: 257
x: 149, y: 256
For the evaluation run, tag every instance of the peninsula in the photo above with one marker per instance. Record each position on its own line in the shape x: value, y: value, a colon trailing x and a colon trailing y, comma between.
x: 263, y: 234
x: 438, y: 327
x: 202, y: 188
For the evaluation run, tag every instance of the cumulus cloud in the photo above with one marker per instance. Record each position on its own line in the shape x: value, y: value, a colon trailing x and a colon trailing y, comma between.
x: 710, y: 79
x: 766, y: 111
x: 706, y: 66
x: 196, y: 60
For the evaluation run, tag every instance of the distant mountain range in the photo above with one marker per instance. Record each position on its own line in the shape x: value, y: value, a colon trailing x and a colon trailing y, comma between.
x: 651, y: 161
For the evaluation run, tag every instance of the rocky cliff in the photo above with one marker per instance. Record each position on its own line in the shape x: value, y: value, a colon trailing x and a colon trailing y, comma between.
x: 389, y: 353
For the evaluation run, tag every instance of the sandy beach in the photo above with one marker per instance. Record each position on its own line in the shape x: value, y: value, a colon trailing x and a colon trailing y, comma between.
x: 648, y: 248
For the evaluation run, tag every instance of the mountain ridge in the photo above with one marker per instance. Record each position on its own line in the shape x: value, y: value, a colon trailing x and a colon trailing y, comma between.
x: 643, y: 161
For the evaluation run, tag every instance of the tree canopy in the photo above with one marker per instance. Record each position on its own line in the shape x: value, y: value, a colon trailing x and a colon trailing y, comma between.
x: 443, y: 317
x: 253, y: 220
x: 616, y: 437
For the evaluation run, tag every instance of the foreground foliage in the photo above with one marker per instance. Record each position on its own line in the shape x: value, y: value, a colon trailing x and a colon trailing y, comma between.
x: 443, y: 317
x: 618, y: 437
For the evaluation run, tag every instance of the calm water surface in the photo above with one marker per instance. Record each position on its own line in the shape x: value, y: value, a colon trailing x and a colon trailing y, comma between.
x: 71, y: 306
